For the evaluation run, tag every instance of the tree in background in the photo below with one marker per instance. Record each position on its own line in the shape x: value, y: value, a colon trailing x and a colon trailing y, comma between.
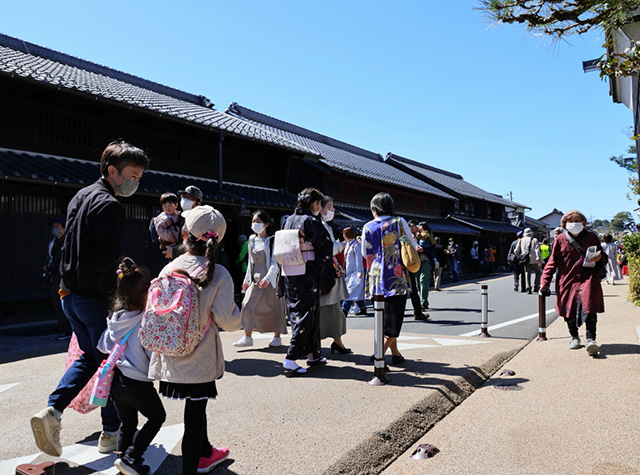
x: 630, y: 164
x: 561, y: 19
x: 620, y: 219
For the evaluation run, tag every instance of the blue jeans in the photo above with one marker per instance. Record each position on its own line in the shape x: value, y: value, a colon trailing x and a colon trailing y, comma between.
x: 454, y: 269
x: 88, y: 319
x: 347, y: 304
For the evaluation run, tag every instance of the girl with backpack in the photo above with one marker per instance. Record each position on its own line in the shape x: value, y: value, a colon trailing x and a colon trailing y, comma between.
x: 192, y: 377
x: 262, y: 310
x: 131, y: 390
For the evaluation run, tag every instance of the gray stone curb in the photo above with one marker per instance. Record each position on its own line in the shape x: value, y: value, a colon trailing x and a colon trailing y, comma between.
x: 376, y: 453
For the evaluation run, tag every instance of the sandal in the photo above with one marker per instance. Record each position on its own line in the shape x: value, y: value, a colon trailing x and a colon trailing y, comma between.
x: 318, y: 362
x: 397, y: 359
x: 290, y: 373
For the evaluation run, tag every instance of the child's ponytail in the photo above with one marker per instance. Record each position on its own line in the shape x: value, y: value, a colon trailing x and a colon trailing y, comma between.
x: 208, y: 249
x: 131, y: 288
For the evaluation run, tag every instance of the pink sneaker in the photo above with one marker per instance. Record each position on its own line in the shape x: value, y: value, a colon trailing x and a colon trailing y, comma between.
x: 208, y: 463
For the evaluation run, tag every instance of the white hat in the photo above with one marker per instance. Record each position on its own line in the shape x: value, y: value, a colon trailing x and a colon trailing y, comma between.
x: 202, y: 219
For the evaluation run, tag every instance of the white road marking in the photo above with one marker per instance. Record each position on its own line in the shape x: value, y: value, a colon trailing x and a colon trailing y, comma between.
x: 4, y: 387
x: 87, y: 455
x: 413, y: 346
x: 404, y: 338
x: 9, y: 466
x: 506, y: 324
x: 454, y: 342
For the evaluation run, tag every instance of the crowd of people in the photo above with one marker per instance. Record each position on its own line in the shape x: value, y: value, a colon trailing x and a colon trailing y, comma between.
x: 104, y: 300
x: 300, y: 277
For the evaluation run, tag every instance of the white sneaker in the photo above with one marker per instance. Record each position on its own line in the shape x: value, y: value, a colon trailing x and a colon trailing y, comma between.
x: 592, y: 348
x: 244, y: 341
x: 46, y: 430
x: 575, y: 343
x: 275, y: 341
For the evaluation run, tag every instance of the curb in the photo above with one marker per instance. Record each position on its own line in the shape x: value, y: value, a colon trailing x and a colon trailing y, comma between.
x: 376, y: 453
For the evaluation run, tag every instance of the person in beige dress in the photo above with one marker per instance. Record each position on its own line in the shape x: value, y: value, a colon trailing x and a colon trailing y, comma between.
x: 262, y: 311
x: 333, y: 321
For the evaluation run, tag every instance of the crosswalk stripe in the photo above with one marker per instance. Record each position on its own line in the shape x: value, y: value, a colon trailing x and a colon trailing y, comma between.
x: 87, y: 455
x: 506, y: 324
x: 4, y: 387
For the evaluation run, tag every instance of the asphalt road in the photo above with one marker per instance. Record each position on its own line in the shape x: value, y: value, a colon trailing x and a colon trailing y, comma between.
x: 456, y: 311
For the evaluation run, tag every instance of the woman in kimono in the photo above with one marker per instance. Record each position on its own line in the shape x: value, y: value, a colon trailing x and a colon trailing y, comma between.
x: 333, y: 322
x: 387, y: 276
x: 354, y: 272
x: 262, y: 310
x: 578, y: 291
x: 302, y: 291
x: 613, y: 269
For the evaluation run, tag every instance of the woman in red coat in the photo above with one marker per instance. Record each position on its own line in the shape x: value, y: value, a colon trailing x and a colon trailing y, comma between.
x: 578, y: 291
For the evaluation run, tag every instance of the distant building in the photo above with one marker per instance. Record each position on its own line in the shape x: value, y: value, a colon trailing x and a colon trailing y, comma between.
x: 552, y: 219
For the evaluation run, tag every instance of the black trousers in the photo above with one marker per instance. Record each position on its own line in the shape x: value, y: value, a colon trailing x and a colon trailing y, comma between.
x: 131, y: 397
x: 195, y: 442
x: 415, y: 296
x: 590, y: 324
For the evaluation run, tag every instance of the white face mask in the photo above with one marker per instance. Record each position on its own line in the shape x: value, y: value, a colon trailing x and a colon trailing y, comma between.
x: 575, y: 228
x: 186, y: 204
x: 257, y: 227
x: 328, y: 216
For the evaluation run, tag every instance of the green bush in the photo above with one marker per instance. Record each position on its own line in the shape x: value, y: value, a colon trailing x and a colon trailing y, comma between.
x: 631, y: 244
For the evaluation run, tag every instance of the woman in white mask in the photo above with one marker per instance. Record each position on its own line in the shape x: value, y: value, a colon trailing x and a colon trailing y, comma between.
x: 333, y: 321
x: 262, y: 311
x: 578, y: 291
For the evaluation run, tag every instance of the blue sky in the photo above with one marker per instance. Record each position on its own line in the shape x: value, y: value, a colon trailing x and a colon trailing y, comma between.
x: 429, y: 80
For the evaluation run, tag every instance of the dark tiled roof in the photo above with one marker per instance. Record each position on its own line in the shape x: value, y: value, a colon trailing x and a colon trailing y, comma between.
x: 485, y: 224
x: 360, y: 215
x: 449, y: 181
x: 19, y: 165
x: 338, y: 155
x: 29, y: 61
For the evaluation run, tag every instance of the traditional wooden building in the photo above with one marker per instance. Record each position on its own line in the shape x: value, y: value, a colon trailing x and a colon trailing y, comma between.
x: 58, y: 112
x: 481, y: 211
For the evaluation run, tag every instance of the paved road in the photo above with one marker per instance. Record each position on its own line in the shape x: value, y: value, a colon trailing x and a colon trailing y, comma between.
x: 456, y: 311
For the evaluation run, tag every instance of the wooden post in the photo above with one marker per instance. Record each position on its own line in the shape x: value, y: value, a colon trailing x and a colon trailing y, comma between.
x: 542, y: 317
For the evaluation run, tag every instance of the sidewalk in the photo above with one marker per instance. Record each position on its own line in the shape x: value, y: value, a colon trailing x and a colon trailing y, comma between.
x: 574, y: 415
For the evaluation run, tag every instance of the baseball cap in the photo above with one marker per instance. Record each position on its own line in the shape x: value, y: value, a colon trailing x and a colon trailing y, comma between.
x: 192, y: 190
x: 202, y: 219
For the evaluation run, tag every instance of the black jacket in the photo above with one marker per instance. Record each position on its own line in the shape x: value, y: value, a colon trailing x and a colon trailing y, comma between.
x: 91, y: 250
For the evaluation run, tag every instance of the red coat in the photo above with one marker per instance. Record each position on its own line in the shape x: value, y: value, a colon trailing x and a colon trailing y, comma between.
x: 573, y: 278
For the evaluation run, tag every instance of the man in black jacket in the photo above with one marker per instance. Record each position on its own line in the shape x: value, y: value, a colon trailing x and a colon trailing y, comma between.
x: 90, y: 254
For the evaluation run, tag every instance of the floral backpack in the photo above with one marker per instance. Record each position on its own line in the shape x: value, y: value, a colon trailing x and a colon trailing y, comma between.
x: 171, y: 321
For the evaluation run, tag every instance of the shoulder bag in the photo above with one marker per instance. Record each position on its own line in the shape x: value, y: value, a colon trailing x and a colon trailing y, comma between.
x: 408, y: 253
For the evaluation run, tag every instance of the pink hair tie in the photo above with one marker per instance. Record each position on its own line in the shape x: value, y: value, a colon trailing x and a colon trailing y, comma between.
x: 208, y: 235
x: 120, y: 274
